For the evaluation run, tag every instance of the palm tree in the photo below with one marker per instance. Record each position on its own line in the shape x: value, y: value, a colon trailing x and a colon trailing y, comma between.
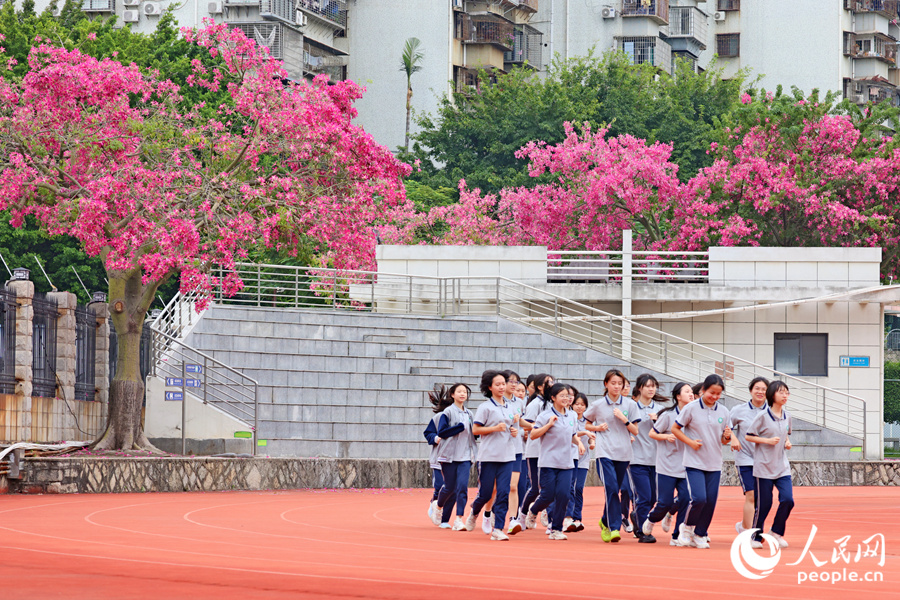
x: 410, y: 63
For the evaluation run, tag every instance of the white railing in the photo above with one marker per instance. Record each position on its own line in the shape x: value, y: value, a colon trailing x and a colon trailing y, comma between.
x: 617, y: 336
x: 616, y: 266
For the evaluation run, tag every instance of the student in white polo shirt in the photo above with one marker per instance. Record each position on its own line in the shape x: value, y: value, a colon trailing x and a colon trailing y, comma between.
x: 582, y: 464
x: 613, y: 418
x: 670, y: 473
x: 455, y: 454
x: 704, y: 426
x: 495, y: 423
x: 534, y: 408
x: 741, y: 417
x: 515, y: 397
x: 769, y: 431
x: 557, y: 431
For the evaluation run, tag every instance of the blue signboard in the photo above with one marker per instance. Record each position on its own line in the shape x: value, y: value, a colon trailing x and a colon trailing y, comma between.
x: 173, y: 382
x: 175, y: 396
x: 854, y: 361
x: 194, y: 383
x: 193, y: 368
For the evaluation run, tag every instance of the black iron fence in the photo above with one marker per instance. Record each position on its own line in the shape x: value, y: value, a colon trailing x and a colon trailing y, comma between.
x: 146, y: 349
x: 44, y: 347
x: 85, y: 353
x: 7, y: 342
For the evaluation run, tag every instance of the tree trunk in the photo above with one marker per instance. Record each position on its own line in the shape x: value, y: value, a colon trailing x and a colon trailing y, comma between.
x: 408, y: 111
x: 129, y: 301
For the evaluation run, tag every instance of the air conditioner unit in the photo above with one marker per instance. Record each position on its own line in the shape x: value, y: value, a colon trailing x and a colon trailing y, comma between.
x: 302, y: 19
x: 719, y: 15
x: 131, y: 2
x: 458, y: 4
x: 608, y: 12
x: 131, y: 16
x: 152, y: 9
x: 215, y: 7
x: 858, y: 99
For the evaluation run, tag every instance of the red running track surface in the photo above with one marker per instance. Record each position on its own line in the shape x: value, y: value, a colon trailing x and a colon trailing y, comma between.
x: 380, y: 544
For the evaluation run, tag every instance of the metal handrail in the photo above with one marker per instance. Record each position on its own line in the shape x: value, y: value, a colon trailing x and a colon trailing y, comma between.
x: 224, y: 387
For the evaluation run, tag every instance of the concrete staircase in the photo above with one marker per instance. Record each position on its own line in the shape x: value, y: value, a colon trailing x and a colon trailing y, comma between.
x: 353, y: 385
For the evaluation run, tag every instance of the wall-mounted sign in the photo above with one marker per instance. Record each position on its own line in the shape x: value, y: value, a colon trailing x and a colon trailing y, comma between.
x: 854, y: 361
x: 177, y: 396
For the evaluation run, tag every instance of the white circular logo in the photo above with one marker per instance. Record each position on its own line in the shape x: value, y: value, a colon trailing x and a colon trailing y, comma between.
x: 745, y: 559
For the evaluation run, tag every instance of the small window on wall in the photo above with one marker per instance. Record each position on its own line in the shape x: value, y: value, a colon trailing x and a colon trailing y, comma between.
x: 728, y: 45
x: 802, y: 354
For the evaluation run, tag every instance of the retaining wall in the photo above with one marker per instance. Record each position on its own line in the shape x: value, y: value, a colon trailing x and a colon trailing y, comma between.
x: 207, y: 474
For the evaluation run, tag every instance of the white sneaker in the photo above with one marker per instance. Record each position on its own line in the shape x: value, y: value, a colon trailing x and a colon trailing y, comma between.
x: 514, y: 527
x: 667, y: 522
x: 647, y: 527
x: 445, y: 525
x: 435, y: 513
x: 568, y: 524
x: 756, y: 544
x: 673, y: 542
x: 545, y: 520
x: 470, y: 522
x: 739, y: 527
x: 781, y: 541
x: 530, y: 521
x: 558, y: 535
x: 487, y: 524
x: 499, y: 536
x: 628, y: 526
x: 458, y: 525
x: 686, y: 535
x: 701, y: 541
x: 548, y: 531
x: 430, y: 509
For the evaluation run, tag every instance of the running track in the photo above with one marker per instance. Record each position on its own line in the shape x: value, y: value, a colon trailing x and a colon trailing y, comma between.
x: 380, y: 544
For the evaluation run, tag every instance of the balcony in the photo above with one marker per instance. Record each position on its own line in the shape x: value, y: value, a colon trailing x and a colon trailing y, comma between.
x: 687, y: 30
x: 876, y: 46
x: 485, y: 28
x: 334, y: 11
x: 887, y: 8
x: 101, y: 6
x: 658, y: 10
x: 282, y: 10
x: 647, y: 50
x: 269, y: 35
x: 874, y: 89
x: 527, y: 49
x: 530, y: 5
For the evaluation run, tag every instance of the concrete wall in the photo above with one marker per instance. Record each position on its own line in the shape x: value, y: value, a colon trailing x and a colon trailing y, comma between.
x: 521, y: 263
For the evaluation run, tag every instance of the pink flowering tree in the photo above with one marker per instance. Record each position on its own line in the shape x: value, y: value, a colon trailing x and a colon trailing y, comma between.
x: 791, y: 172
x: 114, y: 157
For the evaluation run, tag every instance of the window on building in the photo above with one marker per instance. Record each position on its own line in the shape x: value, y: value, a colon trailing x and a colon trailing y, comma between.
x: 728, y: 5
x: 802, y: 354
x: 728, y: 44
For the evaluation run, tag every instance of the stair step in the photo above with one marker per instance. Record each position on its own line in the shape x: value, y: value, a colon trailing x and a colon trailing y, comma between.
x: 428, y: 370
x: 384, y: 339
x: 407, y: 354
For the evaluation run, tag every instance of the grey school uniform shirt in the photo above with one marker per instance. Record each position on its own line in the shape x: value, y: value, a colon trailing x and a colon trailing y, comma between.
x: 534, y: 408
x: 460, y: 447
x: 517, y: 405
x: 556, y: 444
x: 497, y: 446
x: 669, y: 455
x: 771, y: 462
x: 584, y: 460
x: 615, y: 442
x: 700, y: 422
x: 741, y: 417
x: 645, y: 448
x: 433, y: 461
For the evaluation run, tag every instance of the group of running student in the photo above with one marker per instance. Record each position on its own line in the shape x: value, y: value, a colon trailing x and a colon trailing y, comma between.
x: 658, y: 458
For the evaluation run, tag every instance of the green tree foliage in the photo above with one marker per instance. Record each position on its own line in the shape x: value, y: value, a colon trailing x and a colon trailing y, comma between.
x: 892, y: 392
x: 473, y: 135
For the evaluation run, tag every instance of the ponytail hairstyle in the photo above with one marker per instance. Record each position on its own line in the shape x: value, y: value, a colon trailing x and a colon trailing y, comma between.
x: 441, y: 397
x: 540, y: 381
x: 774, y: 387
x: 554, y: 391
x: 710, y: 381
x: 696, y: 389
x: 676, y: 391
x: 487, y: 379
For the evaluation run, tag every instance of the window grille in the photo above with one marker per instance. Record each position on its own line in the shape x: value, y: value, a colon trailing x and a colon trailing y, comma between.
x: 7, y: 342
x: 85, y: 353
x: 44, y: 347
x: 728, y: 45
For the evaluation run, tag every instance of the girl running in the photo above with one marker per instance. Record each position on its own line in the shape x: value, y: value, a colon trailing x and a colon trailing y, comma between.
x: 702, y: 426
x: 614, y: 419
x: 456, y: 453
x: 582, y: 464
x: 670, y: 473
x: 495, y: 423
x: 642, y: 470
x: 439, y: 401
x: 557, y: 431
x: 516, y: 399
x: 741, y: 417
x: 769, y: 431
x: 540, y: 382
